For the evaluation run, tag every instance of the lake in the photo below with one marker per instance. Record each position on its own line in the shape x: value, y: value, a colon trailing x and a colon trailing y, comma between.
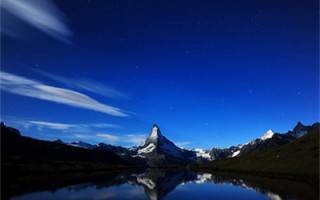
x: 155, y: 184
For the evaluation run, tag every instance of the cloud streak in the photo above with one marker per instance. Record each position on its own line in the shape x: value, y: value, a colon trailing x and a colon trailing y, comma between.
x: 85, y: 84
x: 75, y: 128
x: 42, y: 15
x: 128, y: 140
x: 91, y: 132
x: 108, y: 136
x: 27, y: 87
x: 183, y: 144
x: 135, y: 139
x: 56, y: 126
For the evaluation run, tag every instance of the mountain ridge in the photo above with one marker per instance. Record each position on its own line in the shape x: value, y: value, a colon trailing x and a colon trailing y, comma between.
x: 13, y: 144
x: 160, y: 151
x: 298, y: 159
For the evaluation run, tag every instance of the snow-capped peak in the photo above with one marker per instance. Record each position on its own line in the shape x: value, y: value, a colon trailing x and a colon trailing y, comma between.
x: 269, y: 134
x: 154, y: 135
x: 157, y: 142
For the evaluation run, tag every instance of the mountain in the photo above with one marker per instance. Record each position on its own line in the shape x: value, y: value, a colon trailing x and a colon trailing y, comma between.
x: 82, y: 145
x: 300, y: 130
x: 269, y: 134
x: 59, y: 141
x: 128, y: 154
x: 268, y: 140
x: 202, y: 155
x: 156, y: 151
x: 159, y: 151
x: 218, y: 153
x: 16, y: 148
x: 299, y: 158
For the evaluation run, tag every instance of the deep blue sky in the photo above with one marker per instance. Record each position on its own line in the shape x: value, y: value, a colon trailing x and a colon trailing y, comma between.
x: 209, y: 73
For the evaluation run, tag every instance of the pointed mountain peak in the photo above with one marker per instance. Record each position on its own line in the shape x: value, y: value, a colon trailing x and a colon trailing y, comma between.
x: 269, y: 134
x: 154, y: 135
x: 298, y: 127
x: 59, y: 141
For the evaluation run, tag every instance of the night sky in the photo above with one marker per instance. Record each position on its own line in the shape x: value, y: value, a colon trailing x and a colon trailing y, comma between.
x: 209, y: 73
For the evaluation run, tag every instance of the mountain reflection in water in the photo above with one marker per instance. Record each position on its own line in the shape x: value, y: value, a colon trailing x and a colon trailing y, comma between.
x: 155, y: 184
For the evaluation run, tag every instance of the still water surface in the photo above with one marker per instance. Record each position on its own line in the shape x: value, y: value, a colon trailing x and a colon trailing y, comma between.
x: 176, y: 184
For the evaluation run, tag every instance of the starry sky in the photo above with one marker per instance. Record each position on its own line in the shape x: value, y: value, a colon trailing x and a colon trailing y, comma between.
x: 209, y: 73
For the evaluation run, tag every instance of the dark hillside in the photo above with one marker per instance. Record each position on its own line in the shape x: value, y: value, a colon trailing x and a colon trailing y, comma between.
x: 297, y: 158
x: 17, y: 149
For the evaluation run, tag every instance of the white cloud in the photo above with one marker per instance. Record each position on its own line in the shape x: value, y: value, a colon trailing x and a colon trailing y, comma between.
x: 64, y: 127
x: 85, y: 84
x: 82, y: 136
x: 51, y: 125
x: 27, y: 87
x: 108, y: 136
x: 182, y: 144
x: 128, y: 140
x: 42, y: 15
x: 135, y: 139
x: 104, y: 125
x: 90, y: 132
x: 124, y: 140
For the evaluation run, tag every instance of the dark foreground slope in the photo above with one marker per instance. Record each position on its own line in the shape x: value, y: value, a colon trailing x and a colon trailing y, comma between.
x: 21, y: 154
x: 297, y: 159
x: 27, y: 162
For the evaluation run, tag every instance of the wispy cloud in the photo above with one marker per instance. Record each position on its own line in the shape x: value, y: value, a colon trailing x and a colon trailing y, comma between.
x: 65, y: 127
x: 56, y: 126
x: 69, y: 127
x: 27, y: 87
x: 85, y: 84
x: 81, y: 137
x: 182, y: 144
x: 128, y: 140
x: 135, y: 139
x: 108, y: 136
x: 43, y: 15
x: 114, y: 139
x: 90, y: 132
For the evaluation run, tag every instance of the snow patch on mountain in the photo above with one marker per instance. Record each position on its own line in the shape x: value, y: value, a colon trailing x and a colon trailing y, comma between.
x: 154, y: 134
x: 202, y: 153
x: 235, y: 153
x: 147, y: 149
x: 269, y: 134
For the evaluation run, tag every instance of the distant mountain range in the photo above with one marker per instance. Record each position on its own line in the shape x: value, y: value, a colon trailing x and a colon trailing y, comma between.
x: 268, y: 140
x: 298, y: 159
x: 14, y: 146
x: 160, y: 151
x: 157, y: 151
